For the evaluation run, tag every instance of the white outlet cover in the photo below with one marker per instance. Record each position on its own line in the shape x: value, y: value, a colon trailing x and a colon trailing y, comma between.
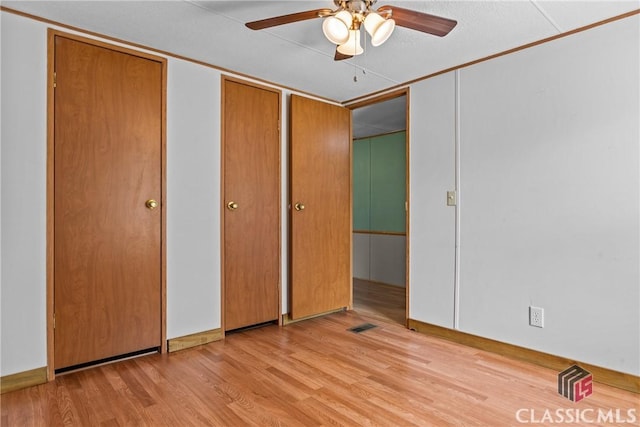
x: 536, y: 317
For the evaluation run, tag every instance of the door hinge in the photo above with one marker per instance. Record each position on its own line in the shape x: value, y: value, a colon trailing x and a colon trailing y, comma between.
x: 54, y: 320
x: 55, y: 79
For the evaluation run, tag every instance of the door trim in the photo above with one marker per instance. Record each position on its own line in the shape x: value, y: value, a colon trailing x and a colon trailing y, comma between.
x: 380, y: 98
x: 51, y: 35
x: 223, y: 80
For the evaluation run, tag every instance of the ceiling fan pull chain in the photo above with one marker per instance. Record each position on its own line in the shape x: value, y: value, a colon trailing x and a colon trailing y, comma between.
x: 355, y: 67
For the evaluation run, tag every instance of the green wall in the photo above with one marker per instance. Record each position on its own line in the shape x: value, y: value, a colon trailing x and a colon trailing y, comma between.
x: 379, y: 183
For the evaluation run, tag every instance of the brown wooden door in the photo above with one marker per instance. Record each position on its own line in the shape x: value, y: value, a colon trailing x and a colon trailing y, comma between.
x: 251, y: 138
x: 321, y: 189
x: 107, y: 243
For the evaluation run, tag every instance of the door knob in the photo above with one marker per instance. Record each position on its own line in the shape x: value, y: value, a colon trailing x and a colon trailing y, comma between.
x: 299, y: 206
x: 151, y: 204
x: 232, y: 206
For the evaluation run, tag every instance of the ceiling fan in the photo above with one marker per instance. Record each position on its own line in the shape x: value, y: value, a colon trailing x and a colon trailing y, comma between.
x: 342, y: 25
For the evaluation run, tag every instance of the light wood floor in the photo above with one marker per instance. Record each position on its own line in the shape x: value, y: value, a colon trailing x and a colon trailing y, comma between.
x: 311, y: 373
x: 381, y: 301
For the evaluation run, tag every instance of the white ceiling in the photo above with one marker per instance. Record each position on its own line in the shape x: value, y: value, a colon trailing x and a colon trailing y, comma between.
x: 383, y: 117
x: 298, y: 56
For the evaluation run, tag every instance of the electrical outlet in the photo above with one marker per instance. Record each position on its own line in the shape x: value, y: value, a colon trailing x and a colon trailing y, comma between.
x: 536, y: 317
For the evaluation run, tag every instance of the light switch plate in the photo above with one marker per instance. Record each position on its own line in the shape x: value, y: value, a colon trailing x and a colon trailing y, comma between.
x: 451, y: 198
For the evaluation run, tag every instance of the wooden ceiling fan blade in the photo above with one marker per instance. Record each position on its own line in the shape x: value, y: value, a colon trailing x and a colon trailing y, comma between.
x: 340, y: 56
x: 419, y: 21
x: 287, y: 19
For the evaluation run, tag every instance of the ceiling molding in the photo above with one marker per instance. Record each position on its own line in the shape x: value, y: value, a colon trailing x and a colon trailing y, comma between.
x: 497, y: 55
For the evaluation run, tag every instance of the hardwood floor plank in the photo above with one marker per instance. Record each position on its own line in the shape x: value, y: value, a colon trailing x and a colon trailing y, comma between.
x: 67, y: 405
x: 359, y: 400
x: 381, y: 301
x: 336, y: 371
x: 310, y: 373
x: 89, y: 413
x: 343, y: 407
x: 201, y: 400
x: 300, y: 372
x: 134, y: 386
x: 397, y: 402
x: 289, y: 385
x: 326, y: 415
x: 47, y: 399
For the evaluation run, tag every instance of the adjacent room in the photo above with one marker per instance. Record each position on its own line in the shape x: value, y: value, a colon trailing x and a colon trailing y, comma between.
x: 332, y: 212
x: 380, y: 209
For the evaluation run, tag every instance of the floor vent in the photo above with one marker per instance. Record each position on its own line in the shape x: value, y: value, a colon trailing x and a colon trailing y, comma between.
x: 362, y: 328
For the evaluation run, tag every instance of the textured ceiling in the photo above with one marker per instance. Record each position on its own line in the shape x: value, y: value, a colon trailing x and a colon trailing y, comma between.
x: 299, y: 57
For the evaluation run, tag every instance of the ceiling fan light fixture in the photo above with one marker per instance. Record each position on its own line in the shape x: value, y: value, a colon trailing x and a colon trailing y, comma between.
x: 379, y: 29
x: 352, y: 46
x: 342, y: 26
x: 336, y: 28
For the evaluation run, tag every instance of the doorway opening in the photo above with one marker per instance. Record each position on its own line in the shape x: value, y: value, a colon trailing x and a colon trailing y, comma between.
x: 380, y: 207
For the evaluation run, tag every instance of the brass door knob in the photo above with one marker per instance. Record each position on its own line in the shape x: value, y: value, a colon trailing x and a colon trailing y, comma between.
x: 151, y: 204
x: 232, y: 206
x: 299, y: 206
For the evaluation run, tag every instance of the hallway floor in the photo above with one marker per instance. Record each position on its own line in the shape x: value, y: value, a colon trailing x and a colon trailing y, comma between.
x: 386, y: 302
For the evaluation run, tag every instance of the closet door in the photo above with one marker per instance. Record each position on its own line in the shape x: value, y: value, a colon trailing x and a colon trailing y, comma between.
x: 251, y: 234
x: 320, y: 177
x: 107, y: 202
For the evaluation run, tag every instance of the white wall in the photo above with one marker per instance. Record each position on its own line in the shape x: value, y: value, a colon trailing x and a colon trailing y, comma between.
x: 24, y: 156
x: 548, y: 200
x: 380, y: 258
x: 193, y: 198
x: 388, y: 259
x: 361, y: 258
x: 284, y: 190
x: 432, y: 222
